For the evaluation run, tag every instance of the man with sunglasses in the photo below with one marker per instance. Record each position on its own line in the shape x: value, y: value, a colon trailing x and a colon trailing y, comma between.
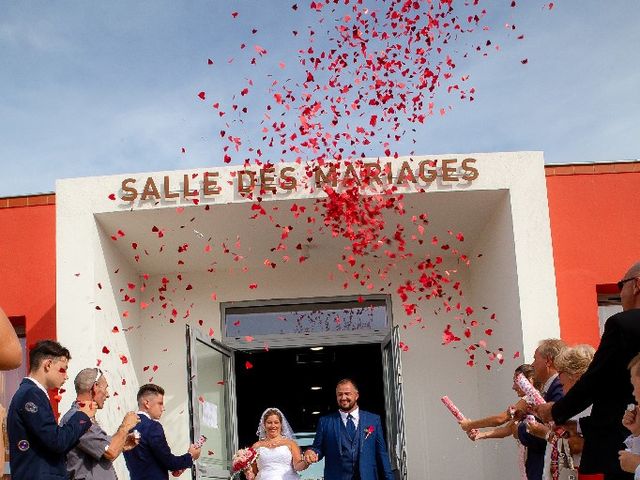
x: 93, y: 455
x: 37, y: 445
x: 605, y: 385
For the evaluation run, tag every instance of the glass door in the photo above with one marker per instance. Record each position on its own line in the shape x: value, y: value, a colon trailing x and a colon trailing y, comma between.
x: 212, y: 404
x: 394, y: 403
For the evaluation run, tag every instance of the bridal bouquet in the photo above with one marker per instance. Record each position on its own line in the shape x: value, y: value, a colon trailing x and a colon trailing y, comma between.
x: 242, y: 459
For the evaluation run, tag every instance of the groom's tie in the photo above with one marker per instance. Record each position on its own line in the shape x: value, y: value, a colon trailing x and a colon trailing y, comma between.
x: 351, y: 426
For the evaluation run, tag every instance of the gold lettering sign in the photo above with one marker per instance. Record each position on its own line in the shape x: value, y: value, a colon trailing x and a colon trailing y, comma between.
x: 272, y: 180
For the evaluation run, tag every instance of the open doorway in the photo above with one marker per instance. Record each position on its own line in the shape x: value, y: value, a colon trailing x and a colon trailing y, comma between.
x: 313, y: 344
x: 301, y: 382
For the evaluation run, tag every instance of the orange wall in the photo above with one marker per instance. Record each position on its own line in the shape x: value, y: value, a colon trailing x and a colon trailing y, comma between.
x: 595, y: 229
x: 28, y: 264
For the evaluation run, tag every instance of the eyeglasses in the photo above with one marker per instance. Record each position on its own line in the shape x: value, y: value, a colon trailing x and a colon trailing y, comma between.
x: 99, y: 375
x: 622, y: 282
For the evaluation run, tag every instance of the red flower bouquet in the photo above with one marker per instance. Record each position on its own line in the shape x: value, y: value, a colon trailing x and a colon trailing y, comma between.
x: 242, y: 459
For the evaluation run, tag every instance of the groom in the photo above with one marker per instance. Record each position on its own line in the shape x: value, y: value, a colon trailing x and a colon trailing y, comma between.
x: 350, y: 440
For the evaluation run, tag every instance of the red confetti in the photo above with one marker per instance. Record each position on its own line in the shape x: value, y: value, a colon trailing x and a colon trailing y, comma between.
x: 448, y: 336
x: 105, y: 350
x: 248, y: 365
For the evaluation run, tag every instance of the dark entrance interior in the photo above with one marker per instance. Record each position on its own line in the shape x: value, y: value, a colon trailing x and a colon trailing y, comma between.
x: 301, y: 382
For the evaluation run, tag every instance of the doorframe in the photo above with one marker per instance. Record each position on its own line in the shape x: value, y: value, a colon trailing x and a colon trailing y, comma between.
x: 387, y: 338
x: 306, y: 339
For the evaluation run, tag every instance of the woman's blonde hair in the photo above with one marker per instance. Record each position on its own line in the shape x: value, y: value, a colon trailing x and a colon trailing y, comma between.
x: 574, y: 360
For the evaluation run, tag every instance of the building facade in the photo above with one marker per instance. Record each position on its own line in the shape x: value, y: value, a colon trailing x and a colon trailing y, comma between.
x: 178, y: 278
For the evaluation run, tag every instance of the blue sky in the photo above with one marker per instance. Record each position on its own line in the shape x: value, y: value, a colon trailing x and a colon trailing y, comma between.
x: 99, y: 88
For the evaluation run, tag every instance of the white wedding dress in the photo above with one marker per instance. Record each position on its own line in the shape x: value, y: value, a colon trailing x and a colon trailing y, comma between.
x: 275, y: 464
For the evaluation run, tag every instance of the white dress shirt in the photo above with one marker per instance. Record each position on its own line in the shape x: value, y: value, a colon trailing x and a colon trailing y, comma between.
x: 355, y: 414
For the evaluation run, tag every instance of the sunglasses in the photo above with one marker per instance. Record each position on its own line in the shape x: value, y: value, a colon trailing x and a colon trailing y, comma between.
x: 622, y: 282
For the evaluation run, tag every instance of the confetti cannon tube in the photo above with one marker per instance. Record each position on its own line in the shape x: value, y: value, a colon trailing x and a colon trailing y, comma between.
x: 200, y: 441
x: 529, y: 390
x: 452, y: 408
x: 455, y: 411
x: 534, y: 395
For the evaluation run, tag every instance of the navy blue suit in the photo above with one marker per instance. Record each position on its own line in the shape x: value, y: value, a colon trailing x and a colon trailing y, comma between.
x: 37, y: 445
x: 370, y: 456
x: 152, y: 458
x: 536, y: 446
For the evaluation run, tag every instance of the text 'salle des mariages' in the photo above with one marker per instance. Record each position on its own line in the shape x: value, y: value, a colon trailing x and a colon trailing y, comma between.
x: 287, y: 178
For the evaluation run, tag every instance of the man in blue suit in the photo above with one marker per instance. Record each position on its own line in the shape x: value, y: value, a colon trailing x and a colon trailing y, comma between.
x: 546, y: 376
x: 152, y: 458
x: 350, y: 440
x: 38, y: 446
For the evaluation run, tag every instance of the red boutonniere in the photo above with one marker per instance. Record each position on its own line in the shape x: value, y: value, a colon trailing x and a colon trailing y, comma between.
x: 369, y: 431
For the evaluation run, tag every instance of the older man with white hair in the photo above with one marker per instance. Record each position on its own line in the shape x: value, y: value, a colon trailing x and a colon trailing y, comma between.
x: 605, y: 385
x: 93, y: 455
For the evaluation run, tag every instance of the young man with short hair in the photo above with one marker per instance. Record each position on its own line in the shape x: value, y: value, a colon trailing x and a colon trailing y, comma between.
x: 38, y: 446
x: 152, y: 458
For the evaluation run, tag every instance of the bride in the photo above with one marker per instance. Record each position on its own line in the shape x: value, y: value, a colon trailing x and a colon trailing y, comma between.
x: 279, y: 456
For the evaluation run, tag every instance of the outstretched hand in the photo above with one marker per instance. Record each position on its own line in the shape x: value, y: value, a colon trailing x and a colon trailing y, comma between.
x: 129, y: 421
x: 194, y: 451
x: 539, y: 430
x: 465, y: 424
